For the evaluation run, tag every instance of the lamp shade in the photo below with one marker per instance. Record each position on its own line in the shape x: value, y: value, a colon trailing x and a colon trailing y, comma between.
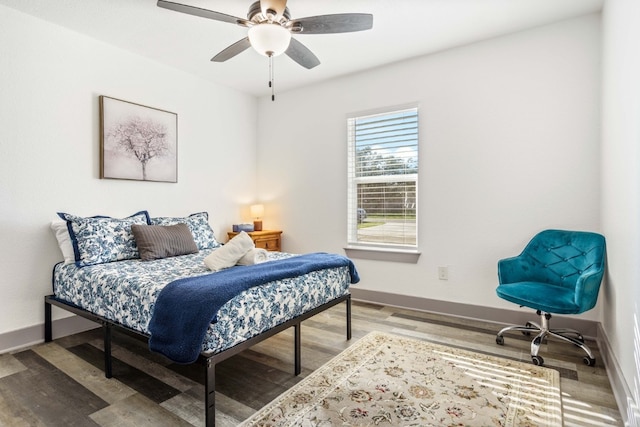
x: 257, y: 211
x: 269, y: 39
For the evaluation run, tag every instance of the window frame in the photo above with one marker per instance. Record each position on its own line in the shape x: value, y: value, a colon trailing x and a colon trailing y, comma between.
x: 378, y: 250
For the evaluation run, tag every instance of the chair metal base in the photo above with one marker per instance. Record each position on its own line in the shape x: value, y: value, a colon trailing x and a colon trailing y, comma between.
x: 542, y: 332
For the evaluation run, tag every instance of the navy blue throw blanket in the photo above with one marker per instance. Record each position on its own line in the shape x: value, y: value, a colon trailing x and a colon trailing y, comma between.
x: 185, y: 307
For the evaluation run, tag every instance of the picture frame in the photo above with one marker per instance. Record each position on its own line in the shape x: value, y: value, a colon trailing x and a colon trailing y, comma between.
x: 137, y: 142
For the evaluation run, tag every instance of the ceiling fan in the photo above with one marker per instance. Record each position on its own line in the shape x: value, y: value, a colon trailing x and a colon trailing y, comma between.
x: 271, y: 26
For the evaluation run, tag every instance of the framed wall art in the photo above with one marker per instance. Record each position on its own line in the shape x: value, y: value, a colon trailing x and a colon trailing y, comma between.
x: 137, y: 142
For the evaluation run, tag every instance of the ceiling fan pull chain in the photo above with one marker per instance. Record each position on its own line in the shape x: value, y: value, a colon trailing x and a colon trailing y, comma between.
x: 271, y: 83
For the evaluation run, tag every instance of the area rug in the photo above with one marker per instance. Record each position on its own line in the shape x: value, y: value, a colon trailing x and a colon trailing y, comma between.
x: 385, y: 380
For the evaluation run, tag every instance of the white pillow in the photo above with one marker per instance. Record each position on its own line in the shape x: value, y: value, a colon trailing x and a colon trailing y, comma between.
x: 228, y: 255
x: 61, y: 231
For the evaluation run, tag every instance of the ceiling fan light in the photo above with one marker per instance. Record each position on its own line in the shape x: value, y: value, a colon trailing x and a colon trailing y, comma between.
x: 269, y: 39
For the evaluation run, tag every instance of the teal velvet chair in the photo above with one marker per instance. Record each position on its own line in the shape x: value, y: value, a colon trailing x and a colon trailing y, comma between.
x: 558, y: 272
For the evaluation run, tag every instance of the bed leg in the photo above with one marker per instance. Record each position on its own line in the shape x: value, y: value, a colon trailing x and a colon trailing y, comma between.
x: 348, y: 317
x: 210, y: 394
x: 48, y: 333
x: 297, y: 345
x: 108, y: 367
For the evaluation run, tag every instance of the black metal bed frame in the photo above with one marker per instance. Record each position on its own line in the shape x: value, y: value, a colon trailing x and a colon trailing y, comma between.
x: 209, y: 360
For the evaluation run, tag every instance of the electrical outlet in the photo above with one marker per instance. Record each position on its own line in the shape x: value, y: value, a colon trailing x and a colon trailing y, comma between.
x: 443, y: 273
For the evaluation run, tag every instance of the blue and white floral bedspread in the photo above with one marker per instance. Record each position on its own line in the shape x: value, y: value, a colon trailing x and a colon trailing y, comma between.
x: 126, y: 291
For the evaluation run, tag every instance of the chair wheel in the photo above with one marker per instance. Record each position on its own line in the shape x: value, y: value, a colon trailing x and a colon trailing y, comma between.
x: 526, y: 333
x: 499, y: 340
x: 589, y: 361
x: 537, y: 360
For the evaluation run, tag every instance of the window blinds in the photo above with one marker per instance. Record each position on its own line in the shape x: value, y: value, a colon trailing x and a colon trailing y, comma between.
x: 382, y: 178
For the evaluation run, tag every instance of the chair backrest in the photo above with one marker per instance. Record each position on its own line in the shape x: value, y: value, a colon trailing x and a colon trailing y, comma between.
x: 559, y: 257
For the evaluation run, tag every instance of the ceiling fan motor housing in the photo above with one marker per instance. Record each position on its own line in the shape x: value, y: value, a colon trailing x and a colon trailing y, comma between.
x: 255, y: 14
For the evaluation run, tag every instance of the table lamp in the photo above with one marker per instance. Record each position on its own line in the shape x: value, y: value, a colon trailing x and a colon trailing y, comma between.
x: 257, y: 211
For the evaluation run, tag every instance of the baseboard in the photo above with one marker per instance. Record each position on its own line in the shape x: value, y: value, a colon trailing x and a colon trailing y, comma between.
x: 70, y: 325
x: 588, y: 328
x: 621, y: 391
x: 21, y: 338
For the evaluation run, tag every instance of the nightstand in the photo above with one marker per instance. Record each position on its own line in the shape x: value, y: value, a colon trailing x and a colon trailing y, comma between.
x: 265, y: 239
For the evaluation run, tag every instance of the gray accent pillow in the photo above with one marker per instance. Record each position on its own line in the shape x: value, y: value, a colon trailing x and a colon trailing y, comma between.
x: 162, y: 241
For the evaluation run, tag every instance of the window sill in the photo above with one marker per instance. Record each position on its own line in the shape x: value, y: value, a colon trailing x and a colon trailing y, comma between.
x: 383, y: 254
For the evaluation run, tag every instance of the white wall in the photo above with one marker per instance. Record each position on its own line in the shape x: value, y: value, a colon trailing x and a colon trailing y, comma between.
x: 509, y: 145
x: 50, y: 80
x: 621, y: 189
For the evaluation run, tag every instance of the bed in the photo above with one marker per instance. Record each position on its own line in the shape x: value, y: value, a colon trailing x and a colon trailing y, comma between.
x: 132, y: 291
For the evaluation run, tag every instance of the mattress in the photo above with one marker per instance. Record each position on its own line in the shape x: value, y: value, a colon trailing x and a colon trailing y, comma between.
x: 125, y: 292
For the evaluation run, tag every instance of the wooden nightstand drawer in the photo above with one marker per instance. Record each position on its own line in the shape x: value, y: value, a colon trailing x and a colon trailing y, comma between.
x: 265, y: 239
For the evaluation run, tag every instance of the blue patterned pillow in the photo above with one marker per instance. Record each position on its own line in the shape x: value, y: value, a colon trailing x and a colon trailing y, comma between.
x: 198, y: 223
x: 101, y: 239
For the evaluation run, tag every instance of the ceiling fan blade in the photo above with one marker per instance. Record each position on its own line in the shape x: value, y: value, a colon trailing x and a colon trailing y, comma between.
x: 329, y: 24
x: 301, y: 54
x: 277, y: 6
x: 203, y: 13
x: 236, y: 48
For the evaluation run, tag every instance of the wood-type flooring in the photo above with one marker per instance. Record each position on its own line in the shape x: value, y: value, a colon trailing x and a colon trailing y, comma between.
x: 62, y: 383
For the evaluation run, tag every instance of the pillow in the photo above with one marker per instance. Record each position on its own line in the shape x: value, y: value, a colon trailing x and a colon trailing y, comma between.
x: 162, y: 241
x: 101, y: 239
x: 229, y: 254
x: 198, y: 223
x: 59, y: 228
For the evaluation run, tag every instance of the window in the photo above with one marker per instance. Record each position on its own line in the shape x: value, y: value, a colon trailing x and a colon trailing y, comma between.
x: 382, y: 179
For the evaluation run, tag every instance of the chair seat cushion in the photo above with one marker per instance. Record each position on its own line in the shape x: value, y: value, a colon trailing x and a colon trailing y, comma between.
x: 540, y: 296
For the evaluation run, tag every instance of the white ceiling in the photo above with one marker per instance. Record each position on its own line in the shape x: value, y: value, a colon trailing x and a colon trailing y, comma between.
x: 401, y: 29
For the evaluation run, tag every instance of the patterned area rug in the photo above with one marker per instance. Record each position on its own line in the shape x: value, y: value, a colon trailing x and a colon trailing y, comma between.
x: 387, y: 380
